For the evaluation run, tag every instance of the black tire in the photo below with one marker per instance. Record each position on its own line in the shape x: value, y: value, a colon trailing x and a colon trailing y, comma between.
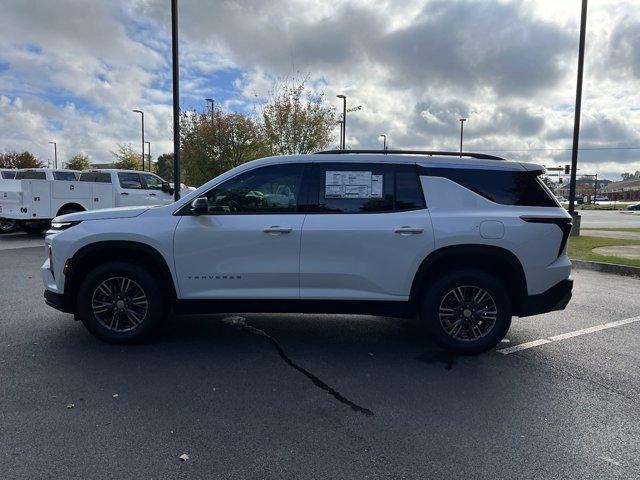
x: 464, y: 326
x: 123, y: 328
x: 36, y: 228
x: 7, y: 225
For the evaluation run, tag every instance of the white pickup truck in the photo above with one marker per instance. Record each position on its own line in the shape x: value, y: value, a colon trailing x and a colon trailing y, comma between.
x: 37, y: 195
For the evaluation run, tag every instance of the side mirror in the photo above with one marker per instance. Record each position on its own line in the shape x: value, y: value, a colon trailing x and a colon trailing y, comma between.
x: 200, y: 206
x: 166, y: 187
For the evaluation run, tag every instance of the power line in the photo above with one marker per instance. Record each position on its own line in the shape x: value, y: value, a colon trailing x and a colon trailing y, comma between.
x: 554, y: 149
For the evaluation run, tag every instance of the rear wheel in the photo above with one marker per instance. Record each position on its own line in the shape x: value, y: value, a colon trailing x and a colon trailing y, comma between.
x: 7, y: 225
x: 468, y: 311
x: 121, y: 302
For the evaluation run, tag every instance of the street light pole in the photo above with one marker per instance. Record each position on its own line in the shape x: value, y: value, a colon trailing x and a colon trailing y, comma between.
x: 149, y: 150
x: 55, y: 154
x: 176, y: 99
x: 576, y: 121
x: 213, y: 104
x: 384, y: 141
x: 462, y: 120
x: 344, y: 121
x: 142, y: 116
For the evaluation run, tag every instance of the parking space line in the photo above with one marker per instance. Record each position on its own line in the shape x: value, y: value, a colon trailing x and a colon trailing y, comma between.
x: 564, y: 336
x: 524, y: 346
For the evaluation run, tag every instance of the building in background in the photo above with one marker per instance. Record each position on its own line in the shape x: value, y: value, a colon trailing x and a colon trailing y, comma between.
x: 626, y: 190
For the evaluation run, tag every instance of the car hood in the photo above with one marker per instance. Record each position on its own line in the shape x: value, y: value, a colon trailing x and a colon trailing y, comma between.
x: 104, y: 214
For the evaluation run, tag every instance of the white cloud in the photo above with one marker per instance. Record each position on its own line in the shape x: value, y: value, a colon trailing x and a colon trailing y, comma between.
x: 73, y: 70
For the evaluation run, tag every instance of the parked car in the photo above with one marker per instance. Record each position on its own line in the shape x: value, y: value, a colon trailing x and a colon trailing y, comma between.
x: 561, y: 199
x: 464, y: 241
x: 38, y: 195
x: 635, y: 206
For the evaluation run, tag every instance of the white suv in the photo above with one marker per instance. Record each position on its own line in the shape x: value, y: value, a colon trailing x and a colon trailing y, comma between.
x: 462, y: 242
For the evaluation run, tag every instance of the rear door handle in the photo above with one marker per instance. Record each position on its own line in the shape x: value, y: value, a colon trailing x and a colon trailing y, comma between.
x: 124, y: 193
x: 152, y: 194
x: 277, y: 230
x: 409, y: 231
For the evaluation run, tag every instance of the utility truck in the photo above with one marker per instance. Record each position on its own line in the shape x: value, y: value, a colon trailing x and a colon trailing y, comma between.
x: 38, y: 195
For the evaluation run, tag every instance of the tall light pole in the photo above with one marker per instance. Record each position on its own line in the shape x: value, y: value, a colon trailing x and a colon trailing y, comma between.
x: 384, y: 141
x: 576, y: 122
x: 55, y: 154
x: 176, y: 99
x: 149, y: 150
x: 213, y: 108
x: 344, y: 121
x: 462, y: 120
x: 142, y: 115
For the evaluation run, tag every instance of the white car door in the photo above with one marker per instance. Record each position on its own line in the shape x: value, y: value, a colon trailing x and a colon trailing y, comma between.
x: 132, y: 191
x: 248, y: 244
x: 155, y: 194
x: 368, y: 234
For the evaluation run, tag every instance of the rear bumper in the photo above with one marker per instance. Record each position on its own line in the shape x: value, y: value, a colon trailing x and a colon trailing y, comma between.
x: 57, y: 301
x: 556, y: 298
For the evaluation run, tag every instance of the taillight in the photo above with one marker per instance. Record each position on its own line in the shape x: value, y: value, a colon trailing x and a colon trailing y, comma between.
x: 562, y: 222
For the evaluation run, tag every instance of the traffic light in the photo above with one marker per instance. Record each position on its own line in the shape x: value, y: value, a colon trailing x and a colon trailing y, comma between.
x: 560, y: 180
x: 567, y: 169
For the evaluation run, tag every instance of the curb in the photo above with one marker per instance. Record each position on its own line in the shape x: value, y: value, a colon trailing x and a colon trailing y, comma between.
x: 613, y: 268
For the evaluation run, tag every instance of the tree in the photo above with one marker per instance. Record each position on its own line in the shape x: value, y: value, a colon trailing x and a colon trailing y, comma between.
x: 296, y: 122
x: 631, y: 176
x: 126, y: 158
x: 210, y: 147
x: 550, y: 183
x: 24, y: 159
x: 164, y: 166
x: 80, y: 161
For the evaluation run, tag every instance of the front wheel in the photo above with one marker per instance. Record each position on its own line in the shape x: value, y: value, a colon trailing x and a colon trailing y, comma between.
x: 7, y: 225
x: 468, y: 311
x: 121, y: 302
x: 36, y: 227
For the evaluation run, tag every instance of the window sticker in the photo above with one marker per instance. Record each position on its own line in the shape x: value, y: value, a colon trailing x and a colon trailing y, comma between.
x: 341, y: 184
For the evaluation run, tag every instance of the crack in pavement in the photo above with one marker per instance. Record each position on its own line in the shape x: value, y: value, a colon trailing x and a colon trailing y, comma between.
x: 240, y: 322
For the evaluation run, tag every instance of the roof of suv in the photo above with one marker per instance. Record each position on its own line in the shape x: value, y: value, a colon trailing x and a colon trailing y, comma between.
x: 427, y: 159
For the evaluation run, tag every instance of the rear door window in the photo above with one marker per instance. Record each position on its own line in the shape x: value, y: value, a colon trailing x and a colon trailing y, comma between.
x: 130, y: 180
x: 352, y: 188
x: 408, y: 192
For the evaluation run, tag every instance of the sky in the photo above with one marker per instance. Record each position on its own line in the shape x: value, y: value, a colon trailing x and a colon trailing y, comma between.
x: 72, y: 71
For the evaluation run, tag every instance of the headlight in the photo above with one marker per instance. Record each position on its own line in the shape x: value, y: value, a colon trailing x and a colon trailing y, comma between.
x: 63, y: 225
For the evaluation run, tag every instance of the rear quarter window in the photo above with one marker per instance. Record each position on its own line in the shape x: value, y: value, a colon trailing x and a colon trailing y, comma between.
x: 500, y: 186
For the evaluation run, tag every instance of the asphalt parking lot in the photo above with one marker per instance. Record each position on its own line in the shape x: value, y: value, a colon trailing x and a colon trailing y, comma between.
x: 317, y: 396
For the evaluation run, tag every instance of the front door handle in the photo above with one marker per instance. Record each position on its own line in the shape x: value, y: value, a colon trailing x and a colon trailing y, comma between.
x: 152, y: 194
x: 277, y: 230
x: 409, y: 230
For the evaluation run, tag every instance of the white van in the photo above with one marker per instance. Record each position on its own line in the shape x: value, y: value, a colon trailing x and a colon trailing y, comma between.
x: 38, y: 195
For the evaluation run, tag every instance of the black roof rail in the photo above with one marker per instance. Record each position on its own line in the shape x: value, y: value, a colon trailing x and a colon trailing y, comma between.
x: 482, y: 156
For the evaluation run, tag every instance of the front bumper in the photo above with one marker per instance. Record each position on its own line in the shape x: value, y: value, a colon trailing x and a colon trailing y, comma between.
x: 556, y: 298
x: 59, y: 301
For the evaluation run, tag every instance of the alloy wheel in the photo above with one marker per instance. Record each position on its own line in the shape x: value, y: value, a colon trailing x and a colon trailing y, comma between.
x: 119, y: 304
x: 467, y: 313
